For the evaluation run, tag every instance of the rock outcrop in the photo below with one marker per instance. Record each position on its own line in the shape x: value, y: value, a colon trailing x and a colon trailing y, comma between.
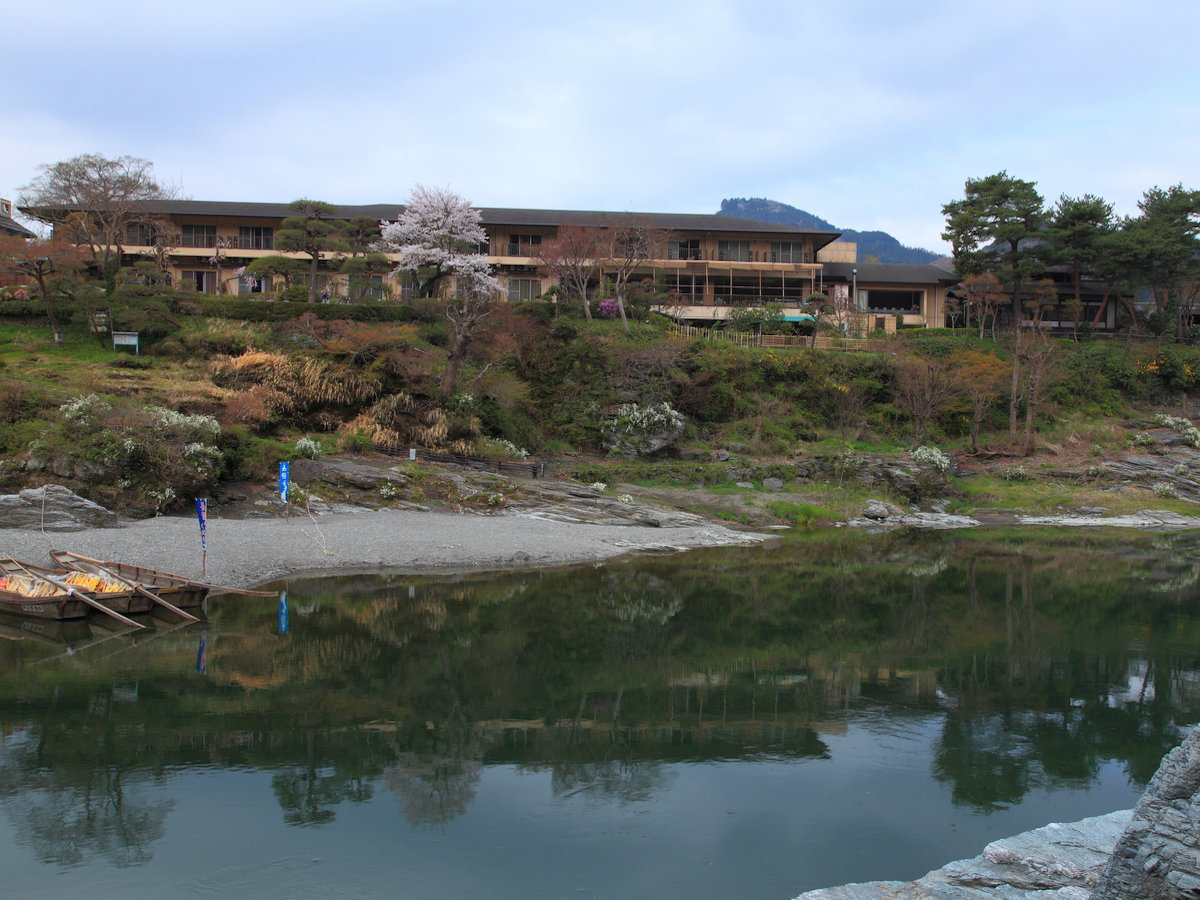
x: 53, y: 508
x: 1158, y: 856
x: 1057, y: 862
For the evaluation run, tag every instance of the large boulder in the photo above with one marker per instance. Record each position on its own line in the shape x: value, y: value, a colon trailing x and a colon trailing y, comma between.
x: 1158, y: 856
x: 53, y: 508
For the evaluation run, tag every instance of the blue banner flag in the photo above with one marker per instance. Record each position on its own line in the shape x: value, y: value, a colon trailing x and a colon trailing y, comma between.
x: 283, y: 481
x: 202, y: 515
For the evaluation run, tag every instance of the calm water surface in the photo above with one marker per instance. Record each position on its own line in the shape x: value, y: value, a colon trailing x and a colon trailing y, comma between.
x: 749, y: 723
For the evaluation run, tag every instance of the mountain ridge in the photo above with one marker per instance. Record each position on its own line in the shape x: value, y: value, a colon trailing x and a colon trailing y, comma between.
x: 872, y: 245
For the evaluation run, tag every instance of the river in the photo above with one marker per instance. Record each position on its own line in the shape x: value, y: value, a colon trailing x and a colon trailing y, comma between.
x: 739, y: 722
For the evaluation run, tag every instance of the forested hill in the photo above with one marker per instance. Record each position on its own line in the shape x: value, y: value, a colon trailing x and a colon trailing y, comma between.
x: 872, y: 245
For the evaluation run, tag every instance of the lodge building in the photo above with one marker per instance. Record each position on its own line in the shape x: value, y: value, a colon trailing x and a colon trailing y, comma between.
x: 709, y: 264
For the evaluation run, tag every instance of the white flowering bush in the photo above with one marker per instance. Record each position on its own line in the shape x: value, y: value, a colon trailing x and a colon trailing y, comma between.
x: 307, y: 448
x: 389, y: 490
x: 204, y: 458
x: 1184, y: 426
x: 1013, y: 473
x: 85, y: 410
x: 625, y: 498
x: 931, y: 456
x: 501, y: 447
x: 598, y: 486
x: 1164, y: 489
x: 1140, y: 439
x: 154, y: 453
x: 638, y: 429
x: 194, y: 427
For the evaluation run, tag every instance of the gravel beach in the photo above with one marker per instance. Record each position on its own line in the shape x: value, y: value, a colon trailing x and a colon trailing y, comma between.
x: 250, y: 552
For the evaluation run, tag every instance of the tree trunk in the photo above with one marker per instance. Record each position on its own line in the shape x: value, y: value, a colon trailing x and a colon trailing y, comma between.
x: 1015, y: 397
x: 312, y: 279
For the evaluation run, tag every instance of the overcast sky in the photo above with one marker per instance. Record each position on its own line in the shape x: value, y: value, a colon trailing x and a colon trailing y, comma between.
x: 868, y: 113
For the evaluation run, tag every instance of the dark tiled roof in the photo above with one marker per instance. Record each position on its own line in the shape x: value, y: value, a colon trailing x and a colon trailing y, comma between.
x: 12, y: 226
x: 496, y: 216
x: 889, y: 273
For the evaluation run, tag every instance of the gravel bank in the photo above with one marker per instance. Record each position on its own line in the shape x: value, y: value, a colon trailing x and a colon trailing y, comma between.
x: 249, y: 552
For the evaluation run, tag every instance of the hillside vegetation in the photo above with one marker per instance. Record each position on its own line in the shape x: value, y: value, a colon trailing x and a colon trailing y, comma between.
x: 224, y: 389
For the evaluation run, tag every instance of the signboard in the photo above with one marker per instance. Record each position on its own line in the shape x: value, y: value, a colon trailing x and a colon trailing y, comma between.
x: 126, y: 339
x: 284, y: 469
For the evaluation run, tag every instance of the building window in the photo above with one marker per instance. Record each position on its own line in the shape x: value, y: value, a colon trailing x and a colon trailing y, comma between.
x: 139, y: 234
x: 524, y: 289
x: 891, y: 301
x: 256, y: 237
x: 199, y: 280
x: 6, y: 209
x: 684, y: 249
x: 198, y: 236
x: 523, y: 244
x: 248, y: 284
x: 787, y: 252
x: 733, y: 251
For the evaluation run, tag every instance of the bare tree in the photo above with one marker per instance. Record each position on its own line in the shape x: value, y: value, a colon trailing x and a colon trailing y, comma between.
x: 571, y: 258
x: 90, y: 200
x: 626, y: 245
x: 924, y: 384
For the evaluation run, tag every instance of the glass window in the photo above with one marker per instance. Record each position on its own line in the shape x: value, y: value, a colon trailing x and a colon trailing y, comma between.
x: 734, y: 251
x: 198, y: 236
x: 684, y: 249
x: 139, y: 234
x: 523, y: 244
x: 256, y: 237
x: 524, y: 289
x: 787, y: 252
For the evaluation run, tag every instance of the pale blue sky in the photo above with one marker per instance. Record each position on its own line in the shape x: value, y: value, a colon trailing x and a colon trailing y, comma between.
x: 868, y: 113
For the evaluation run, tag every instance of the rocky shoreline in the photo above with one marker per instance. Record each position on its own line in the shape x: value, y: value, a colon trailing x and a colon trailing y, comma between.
x: 1056, y: 862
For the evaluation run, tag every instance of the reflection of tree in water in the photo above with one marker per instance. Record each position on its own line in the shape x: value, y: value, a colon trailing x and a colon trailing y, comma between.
x: 626, y: 780
x: 433, y: 788
x: 68, y: 815
x: 308, y: 793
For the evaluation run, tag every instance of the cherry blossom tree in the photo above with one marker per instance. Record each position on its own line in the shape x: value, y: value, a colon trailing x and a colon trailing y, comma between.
x: 438, y: 237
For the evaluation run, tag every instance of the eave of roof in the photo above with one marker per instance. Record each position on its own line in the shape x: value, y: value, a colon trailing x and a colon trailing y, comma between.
x: 889, y: 273
x: 496, y: 216
x: 11, y: 226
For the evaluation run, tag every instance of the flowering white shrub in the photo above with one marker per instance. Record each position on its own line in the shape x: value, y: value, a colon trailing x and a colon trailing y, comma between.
x: 931, y: 456
x: 1182, y: 425
x: 308, y: 448
x: 642, y: 429
x: 197, y: 427
x: 84, y: 410
x: 204, y: 458
x: 1164, y: 489
x: 508, y: 448
x: 598, y: 486
x: 625, y: 498
x: 1013, y: 473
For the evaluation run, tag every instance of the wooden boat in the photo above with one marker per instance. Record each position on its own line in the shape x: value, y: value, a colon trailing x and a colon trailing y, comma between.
x: 172, y: 592
x: 152, y: 578
x: 33, y: 590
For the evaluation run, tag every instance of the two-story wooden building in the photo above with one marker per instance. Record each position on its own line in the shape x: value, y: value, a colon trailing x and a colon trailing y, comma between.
x: 708, y: 263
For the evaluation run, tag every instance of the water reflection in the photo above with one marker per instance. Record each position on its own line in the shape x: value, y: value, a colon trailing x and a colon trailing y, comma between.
x: 1040, y: 659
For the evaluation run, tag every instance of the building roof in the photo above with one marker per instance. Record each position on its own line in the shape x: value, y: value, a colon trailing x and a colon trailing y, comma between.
x: 529, y: 218
x: 12, y: 226
x: 889, y: 273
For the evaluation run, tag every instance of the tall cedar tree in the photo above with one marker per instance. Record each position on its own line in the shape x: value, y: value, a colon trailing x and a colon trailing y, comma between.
x: 1076, y: 233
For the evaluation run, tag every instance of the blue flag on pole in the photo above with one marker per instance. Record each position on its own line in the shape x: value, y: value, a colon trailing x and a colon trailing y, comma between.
x: 283, y: 481
x: 202, y: 515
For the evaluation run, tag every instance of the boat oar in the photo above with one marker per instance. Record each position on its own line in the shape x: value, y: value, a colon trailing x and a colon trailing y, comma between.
x: 94, y: 603
x: 79, y: 595
x: 145, y: 592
